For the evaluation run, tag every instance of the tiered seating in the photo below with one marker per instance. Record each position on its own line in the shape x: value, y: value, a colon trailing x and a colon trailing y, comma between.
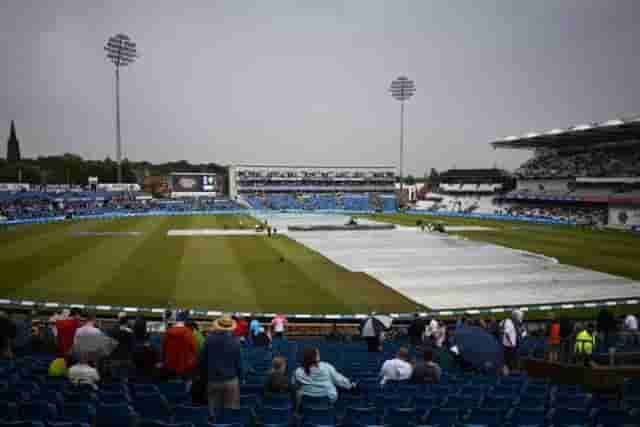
x: 311, y: 201
x: 28, y: 394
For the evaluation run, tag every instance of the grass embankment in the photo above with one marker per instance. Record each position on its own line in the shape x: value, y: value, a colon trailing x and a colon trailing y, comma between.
x: 243, y: 273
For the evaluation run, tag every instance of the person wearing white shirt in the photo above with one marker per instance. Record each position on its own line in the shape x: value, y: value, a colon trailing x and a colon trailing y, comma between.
x: 83, y: 373
x: 631, y: 323
x: 88, y: 329
x: 510, y: 338
x: 397, y: 369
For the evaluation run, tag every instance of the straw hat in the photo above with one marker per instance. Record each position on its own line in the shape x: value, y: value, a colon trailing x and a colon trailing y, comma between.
x: 224, y: 323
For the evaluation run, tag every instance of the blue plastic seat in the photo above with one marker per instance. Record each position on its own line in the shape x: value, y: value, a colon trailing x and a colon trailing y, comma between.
x: 115, y: 415
x: 66, y: 424
x: 609, y: 417
x: 361, y: 416
x: 486, y: 417
x: 21, y: 424
x: 400, y: 417
x: 77, y: 412
x: 497, y: 402
x: 578, y: 401
x: 526, y: 402
x: 38, y: 410
x: 80, y: 396
x: 271, y: 415
x: 197, y: 415
x: 153, y: 407
x: 175, y: 391
x: 114, y: 397
x: 529, y: 417
x: 570, y: 417
x: 318, y: 416
x: 158, y: 423
x: 242, y: 416
x: 464, y: 403
x: 8, y: 411
x: 143, y: 389
x: 14, y: 396
x: 443, y: 417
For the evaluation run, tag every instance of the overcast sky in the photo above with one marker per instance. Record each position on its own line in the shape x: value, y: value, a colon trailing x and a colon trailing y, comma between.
x: 306, y: 82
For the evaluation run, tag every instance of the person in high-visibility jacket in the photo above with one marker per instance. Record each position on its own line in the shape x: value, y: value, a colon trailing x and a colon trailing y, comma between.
x: 585, y: 342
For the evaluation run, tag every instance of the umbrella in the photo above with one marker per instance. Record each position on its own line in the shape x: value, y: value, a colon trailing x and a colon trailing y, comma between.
x: 479, y: 348
x: 375, y: 324
x: 98, y: 345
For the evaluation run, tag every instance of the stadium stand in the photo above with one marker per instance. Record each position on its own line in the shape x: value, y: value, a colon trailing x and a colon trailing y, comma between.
x: 592, y: 168
x: 463, y: 396
x: 314, y: 188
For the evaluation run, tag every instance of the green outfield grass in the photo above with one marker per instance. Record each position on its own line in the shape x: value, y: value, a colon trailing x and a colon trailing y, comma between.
x: 244, y: 273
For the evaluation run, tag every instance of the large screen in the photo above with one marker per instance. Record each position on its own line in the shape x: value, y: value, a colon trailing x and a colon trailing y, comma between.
x: 190, y: 183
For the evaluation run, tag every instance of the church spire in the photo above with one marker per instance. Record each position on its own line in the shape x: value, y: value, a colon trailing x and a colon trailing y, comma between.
x: 13, y: 146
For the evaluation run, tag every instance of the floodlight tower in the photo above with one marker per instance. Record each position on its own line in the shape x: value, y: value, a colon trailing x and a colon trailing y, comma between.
x: 402, y: 89
x: 122, y: 52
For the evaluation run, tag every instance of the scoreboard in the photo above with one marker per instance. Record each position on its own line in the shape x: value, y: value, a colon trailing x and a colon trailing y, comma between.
x: 194, y: 183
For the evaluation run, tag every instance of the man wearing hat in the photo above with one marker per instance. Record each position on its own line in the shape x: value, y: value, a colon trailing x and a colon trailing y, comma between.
x: 221, y: 365
x: 179, y: 348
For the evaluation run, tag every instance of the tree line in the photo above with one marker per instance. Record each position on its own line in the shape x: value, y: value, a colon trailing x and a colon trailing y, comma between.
x: 74, y: 170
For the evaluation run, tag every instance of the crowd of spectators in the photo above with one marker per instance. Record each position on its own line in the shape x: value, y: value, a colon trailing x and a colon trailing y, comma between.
x: 593, y: 163
x: 41, y: 205
x: 579, y: 215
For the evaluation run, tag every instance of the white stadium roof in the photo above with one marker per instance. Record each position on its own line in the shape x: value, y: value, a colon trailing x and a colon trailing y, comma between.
x: 614, y: 130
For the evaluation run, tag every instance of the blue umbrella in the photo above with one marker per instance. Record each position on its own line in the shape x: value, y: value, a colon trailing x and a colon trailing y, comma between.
x: 479, y: 348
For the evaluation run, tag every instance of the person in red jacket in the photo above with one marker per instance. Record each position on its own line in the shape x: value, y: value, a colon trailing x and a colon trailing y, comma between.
x: 241, y: 328
x: 66, y: 327
x: 179, y: 348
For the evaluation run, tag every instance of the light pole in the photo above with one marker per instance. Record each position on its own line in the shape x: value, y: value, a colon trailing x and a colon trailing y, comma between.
x: 402, y: 89
x: 122, y: 52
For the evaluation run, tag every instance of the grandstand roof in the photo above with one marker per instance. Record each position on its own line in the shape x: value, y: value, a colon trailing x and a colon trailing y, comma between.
x: 616, y: 130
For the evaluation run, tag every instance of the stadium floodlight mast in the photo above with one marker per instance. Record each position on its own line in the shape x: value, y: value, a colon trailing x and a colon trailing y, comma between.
x: 122, y: 52
x: 402, y: 89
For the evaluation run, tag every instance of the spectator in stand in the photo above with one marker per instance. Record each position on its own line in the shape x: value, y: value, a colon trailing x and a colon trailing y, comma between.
x: 89, y: 339
x: 279, y: 325
x: 140, y: 330
x: 510, y: 340
x: 7, y: 335
x: 631, y: 323
x: 66, y: 326
x: 318, y: 379
x: 221, y: 365
x: 241, y: 327
x: 553, y: 339
x: 22, y: 342
x: 566, y: 332
x: 89, y: 328
x: 122, y: 356
x: 428, y: 372
x: 179, y: 348
x: 416, y: 330
x: 397, y: 369
x: 254, y: 327
x: 58, y: 367
x: 585, y: 344
x: 261, y: 339
x: 606, y: 325
x: 83, y: 373
x: 439, y: 335
x: 146, y: 360
x: 277, y: 381
x: 195, y: 330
